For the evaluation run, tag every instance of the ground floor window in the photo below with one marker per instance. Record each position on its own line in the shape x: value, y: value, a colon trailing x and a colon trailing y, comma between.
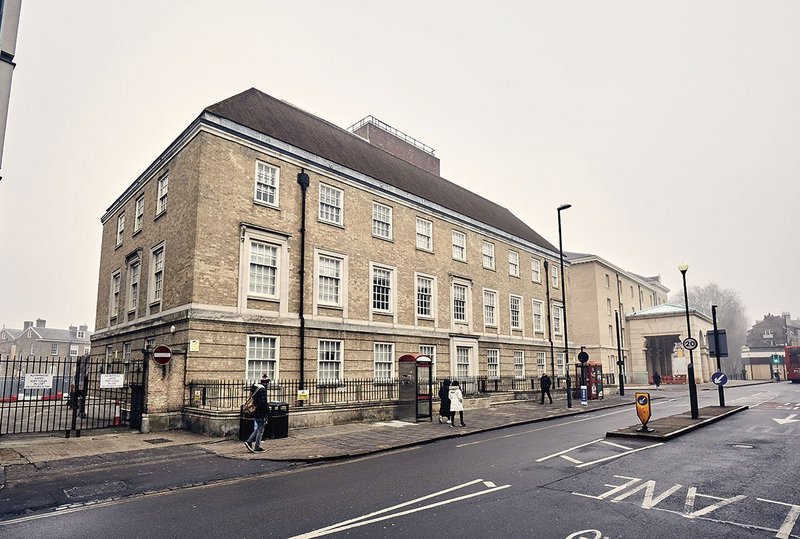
x: 493, y: 363
x: 384, y: 364
x: 329, y: 368
x: 540, y: 362
x: 430, y: 351
x: 519, y: 364
x: 262, y: 357
x: 462, y: 361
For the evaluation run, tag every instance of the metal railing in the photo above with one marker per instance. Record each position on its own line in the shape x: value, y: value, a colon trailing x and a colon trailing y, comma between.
x: 231, y: 394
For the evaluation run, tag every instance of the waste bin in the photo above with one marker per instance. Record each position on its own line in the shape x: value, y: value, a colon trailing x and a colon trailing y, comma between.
x: 245, y: 426
x: 277, y: 421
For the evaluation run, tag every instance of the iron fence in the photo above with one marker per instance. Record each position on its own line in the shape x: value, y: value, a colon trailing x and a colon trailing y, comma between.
x: 231, y: 394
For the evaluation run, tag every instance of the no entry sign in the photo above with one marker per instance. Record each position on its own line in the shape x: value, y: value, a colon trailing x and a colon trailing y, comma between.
x: 162, y: 354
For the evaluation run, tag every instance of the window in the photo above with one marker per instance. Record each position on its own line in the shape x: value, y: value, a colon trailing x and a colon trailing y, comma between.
x: 381, y: 221
x: 631, y: 291
x: 120, y: 229
x: 513, y: 263
x: 493, y: 363
x: 33, y: 349
x: 514, y: 304
x: 133, y: 288
x: 266, y: 184
x: 138, y: 219
x: 263, y: 275
x: 489, y: 307
x: 488, y: 255
x: 460, y: 303
x: 384, y: 365
x: 554, y: 278
x: 329, y: 283
x: 80, y: 334
x: 114, y: 308
x: 262, y: 357
x: 608, y: 281
x: 157, y: 273
x: 54, y: 349
x: 459, y: 246
x: 330, y: 204
x: 430, y: 351
x: 536, y: 270
x: 462, y: 361
x: 161, y: 200
x: 382, y: 289
x: 73, y: 350
x: 561, y: 366
x: 768, y: 334
x: 424, y: 235
x: 538, y: 309
x: 611, y: 335
x: 424, y: 296
x: 540, y: 362
x: 608, y: 306
x: 86, y: 350
x: 126, y: 351
x: 557, y: 310
x: 519, y: 364
x: 329, y: 366
x: 109, y: 357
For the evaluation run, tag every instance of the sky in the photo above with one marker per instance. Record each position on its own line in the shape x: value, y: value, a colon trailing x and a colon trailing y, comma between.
x: 672, y: 128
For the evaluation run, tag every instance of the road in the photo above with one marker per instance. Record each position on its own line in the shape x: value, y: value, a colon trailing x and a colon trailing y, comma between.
x: 560, y: 479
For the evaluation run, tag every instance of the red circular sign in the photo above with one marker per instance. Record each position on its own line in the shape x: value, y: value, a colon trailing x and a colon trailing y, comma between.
x: 162, y: 354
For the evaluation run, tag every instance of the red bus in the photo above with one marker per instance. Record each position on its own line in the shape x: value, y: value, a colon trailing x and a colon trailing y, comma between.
x: 792, y: 354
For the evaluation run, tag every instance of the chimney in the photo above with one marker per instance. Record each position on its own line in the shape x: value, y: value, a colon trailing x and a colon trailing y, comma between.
x: 397, y: 143
x: 82, y: 327
x: 27, y: 324
x: 40, y: 322
x: 73, y: 330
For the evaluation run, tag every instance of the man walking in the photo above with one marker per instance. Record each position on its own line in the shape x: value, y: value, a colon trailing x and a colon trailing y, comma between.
x: 544, y: 382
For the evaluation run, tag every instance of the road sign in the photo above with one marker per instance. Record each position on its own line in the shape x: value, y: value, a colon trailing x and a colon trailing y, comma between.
x: 162, y: 354
x: 690, y: 343
x: 584, y: 396
x: 719, y: 378
x: 583, y: 357
x: 643, y: 409
x: 712, y: 345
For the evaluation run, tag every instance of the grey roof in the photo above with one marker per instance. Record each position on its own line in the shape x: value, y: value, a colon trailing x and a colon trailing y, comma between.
x: 12, y: 333
x: 666, y: 309
x: 280, y: 120
x: 53, y: 334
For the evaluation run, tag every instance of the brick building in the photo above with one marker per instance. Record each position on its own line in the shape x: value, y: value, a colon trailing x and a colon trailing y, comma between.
x: 39, y: 341
x: 207, y: 245
x: 767, y: 338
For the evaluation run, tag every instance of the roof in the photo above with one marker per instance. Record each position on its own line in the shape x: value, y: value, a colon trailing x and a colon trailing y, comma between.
x: 666, y: 309
x: 48, y: 334
x: 578, y: 258
x: 13, y: 334
x: 283, y: 121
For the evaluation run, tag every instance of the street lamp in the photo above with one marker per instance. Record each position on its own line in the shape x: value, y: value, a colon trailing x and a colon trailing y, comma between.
x: 564, y: 303
x: 683, y: 268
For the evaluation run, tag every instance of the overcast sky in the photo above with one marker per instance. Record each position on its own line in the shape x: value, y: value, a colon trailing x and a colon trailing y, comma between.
x: 672, y: 128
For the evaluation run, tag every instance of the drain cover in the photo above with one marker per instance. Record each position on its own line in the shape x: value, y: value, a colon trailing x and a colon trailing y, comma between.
x: 158, y: 441
x: 742, y: 446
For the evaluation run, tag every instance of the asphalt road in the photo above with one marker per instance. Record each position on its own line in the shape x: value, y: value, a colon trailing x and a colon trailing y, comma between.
x: 559, y: 479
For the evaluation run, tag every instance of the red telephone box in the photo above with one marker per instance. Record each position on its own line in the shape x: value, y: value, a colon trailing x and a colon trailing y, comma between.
x: 594, y: 380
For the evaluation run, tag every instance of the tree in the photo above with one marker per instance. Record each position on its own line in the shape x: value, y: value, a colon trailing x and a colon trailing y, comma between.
x: 731, y: 316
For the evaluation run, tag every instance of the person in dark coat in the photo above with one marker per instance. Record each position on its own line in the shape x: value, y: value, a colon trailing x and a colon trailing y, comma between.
x: 444, y: 400
x: 544, y: 383
x: 259, y: 395
x: 657, y: 380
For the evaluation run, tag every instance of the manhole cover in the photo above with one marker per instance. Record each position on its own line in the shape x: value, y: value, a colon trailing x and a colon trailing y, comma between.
x: 158, y: 441
x: 743, y: 446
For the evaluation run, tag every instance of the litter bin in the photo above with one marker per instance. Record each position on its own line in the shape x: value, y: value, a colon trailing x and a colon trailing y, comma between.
x: 277, y: 421
x: 245, y: 426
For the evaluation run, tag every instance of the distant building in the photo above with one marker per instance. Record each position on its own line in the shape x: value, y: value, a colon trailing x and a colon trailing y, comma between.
x: 38, y: 341
x: 9, y: 23
x: 396, y: 260
x: 766, y: 339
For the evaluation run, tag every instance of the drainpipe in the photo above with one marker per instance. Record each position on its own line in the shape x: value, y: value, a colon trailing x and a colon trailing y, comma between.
x: 549, y: 326
x: 303, y: 180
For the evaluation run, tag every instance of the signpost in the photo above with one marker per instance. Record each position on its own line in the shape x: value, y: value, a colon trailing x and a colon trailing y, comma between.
x: 162, y: 354
x: 583, y: 357
x: 690, y: 343
x: 643, y: 411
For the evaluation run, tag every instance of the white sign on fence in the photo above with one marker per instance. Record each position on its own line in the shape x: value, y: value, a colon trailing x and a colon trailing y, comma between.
x: 38, y: 381
x: 108, y: 381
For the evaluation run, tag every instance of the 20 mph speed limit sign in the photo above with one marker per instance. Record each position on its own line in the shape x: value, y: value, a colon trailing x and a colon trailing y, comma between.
x: 690, y: 343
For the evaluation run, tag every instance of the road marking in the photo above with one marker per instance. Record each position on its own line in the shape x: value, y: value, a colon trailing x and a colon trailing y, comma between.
x: 788, y: 524
x: 572, y: 460
x: 560, y: 453
x: 789, y: 419
x: 541, y: 428
x: 585, y: 464
x: 615, y: 445
x: 359, y: 521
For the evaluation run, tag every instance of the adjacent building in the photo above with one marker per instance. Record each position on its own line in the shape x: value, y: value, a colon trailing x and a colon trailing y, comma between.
x: 36, y: 340
x: 267, y: 240
x: 763, y: 355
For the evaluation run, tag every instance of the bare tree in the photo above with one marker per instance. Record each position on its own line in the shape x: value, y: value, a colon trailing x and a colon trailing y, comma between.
x: 731, y: 316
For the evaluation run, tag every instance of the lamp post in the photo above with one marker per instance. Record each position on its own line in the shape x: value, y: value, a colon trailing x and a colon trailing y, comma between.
x: 683, y: 268
x: 564, y: 304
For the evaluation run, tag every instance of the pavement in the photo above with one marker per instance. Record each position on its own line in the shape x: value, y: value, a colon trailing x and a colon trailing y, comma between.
x: 352, y: 439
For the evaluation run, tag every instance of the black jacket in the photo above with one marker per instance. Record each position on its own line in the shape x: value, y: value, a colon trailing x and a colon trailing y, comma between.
x: 260, y: 400
x: 545, y: 381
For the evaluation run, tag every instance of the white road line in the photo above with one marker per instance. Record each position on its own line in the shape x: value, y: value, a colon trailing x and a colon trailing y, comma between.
x: 339, y: 528
x: 585, y: 464
x: 628, y: 410
x: 572, y: 460
x: 567, y: 450
x: 392, y: 508
x: 615, y: 445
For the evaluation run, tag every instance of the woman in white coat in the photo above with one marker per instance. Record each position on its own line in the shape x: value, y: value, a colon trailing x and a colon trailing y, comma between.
x: 456, y: 403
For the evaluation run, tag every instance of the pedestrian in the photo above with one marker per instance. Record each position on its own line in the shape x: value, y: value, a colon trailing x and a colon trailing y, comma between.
x: 258, y: 395
x: 544, y: 383
x: 744, y: 373
x: 657, y: 380
x: 456, y: 403
x: 444, y: 402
